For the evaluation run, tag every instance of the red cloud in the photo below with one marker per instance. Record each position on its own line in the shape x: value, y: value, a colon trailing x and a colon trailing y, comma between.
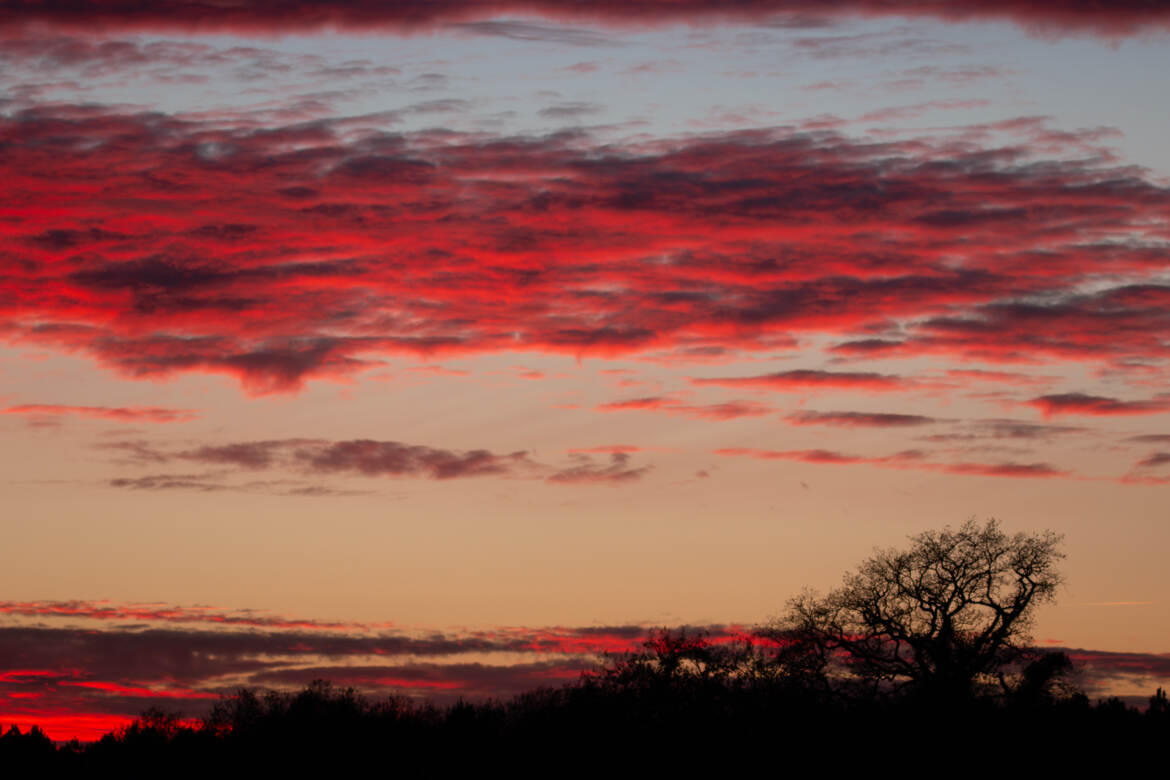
x: 789, y: 381
x: 316, y: 250
x: 81, y: 682
x: 1080, y: 403
x: 119, y: 413
x: 1118, y: 17
x: 85, y: 682
x: 654, y: 402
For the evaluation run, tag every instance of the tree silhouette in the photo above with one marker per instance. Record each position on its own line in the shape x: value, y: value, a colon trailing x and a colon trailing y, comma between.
x: 943, y: 618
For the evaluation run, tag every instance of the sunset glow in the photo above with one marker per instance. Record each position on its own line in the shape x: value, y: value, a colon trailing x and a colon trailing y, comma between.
x: 435, y: 348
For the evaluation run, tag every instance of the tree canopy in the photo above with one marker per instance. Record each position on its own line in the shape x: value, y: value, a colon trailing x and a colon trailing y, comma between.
x: 946, y: 616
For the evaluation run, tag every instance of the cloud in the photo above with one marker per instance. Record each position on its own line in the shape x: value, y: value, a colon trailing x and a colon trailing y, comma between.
x: 117, y: 413
x: 1101, y: 667
x: 1080, y: 403
x: 86, y: 667
x: 653, y: 402
x: 867, y: 347
x: 539, y: 33
x: 618, y: 470
x: 982, y: 375
x: 95, y: 58
x: 84, y: 680
x: 817, y: 456
x: 354, y: 457
x: 907, y: 459
x: 574, y: 110
x: 727, y: 410
x: 1037, y: 470
x: 1049, y: 17
x: 320, y: 249
x: 1019, y: 429
x: 249, y: 455
x: 166, y: 613
x: 364, y: 457
x: 217, y: 482
x: 871, y: 45
x: 1060, y: 324
x: 859, y: 419
x: 1155, y: 460
x: 802, y: 379
x: 1151, y: 438
x: 918, y: 109
x: 389, y: 458
x: 471, y: 680
x: 205, y: 483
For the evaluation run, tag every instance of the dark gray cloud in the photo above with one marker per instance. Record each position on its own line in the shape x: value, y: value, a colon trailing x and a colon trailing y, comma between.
x: 388, y: 458
x: 586, y: 470
x: 355, y: 457
x: 859, y: 419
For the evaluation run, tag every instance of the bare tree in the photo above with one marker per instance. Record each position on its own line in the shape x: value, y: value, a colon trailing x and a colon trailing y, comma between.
x: 946, y: 616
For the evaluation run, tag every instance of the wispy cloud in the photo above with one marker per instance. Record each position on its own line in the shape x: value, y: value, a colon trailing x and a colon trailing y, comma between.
x: 349, y: 458
x: 859, y: 419
x: 155, y: 414
x: 906, y: 459
x: 726, y: 410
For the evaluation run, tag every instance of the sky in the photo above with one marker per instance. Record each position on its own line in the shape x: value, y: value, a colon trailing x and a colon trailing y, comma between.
x: 436, y: 347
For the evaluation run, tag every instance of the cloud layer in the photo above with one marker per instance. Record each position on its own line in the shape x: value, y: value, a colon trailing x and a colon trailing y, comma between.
x: 159, y: 244
x: 116, y: 413
x: 85, y: 679
x: 1118, y: 17
x: 116, y: 660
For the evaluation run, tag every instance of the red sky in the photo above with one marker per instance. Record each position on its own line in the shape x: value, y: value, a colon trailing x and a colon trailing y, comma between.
x: 448, y: 344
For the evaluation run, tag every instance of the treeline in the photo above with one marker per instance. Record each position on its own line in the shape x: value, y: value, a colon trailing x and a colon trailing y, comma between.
x: 682, y: 698
x: 918, y: 664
